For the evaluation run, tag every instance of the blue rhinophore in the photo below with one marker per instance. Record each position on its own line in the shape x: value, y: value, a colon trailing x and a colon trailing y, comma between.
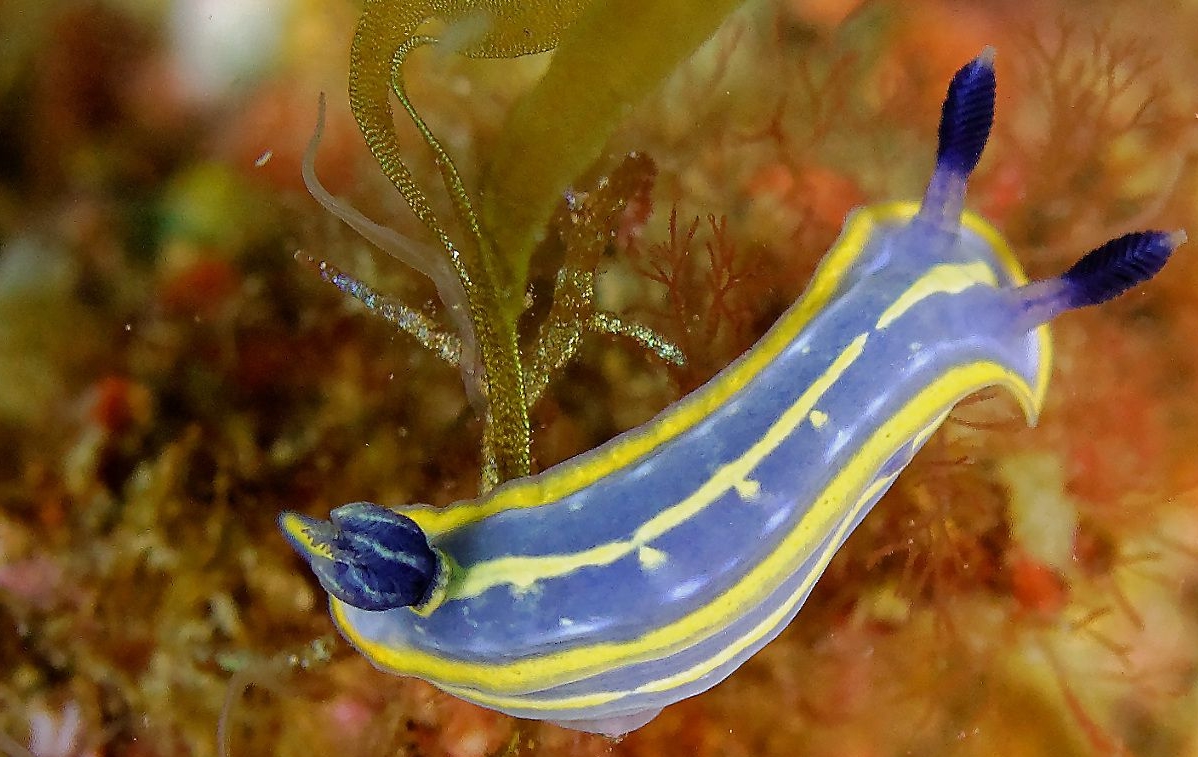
x: 967, y: 116
x: 368, y: 556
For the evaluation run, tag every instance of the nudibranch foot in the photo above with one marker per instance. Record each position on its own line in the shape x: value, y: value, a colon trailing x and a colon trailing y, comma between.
x: 613, y: 727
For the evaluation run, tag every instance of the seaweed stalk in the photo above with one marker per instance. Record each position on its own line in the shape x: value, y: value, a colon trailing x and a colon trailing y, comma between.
x: 386, y: 33
x: 554, y: 134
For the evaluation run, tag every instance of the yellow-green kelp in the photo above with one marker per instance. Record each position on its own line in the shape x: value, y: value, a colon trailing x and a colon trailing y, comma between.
x: 610, y: 54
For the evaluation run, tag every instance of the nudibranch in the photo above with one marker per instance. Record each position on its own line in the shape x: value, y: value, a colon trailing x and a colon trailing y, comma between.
x: 647, y: 570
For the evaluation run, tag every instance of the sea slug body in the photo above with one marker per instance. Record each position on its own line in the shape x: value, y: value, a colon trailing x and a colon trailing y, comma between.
x: 647, y: 570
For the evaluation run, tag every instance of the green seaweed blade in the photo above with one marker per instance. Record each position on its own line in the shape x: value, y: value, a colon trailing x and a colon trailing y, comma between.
x: 616, y: 53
